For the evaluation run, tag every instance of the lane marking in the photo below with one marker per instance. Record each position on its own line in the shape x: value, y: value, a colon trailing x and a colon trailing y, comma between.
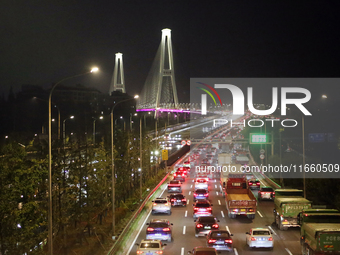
x: 219, y: 202
x: 289, y: 252
x: 187, y: 201
x: 134, y: 241
x: 182, y: 251
x: 271, y: 229
x: 186, y: 214
x: 215, y: 186
x: 189, y: 192
x: 222, y: 214
x: 235, y: 251
x: 227, y: 228
x: 184, y: 228
x: 191, y: 186
x: 217, y: 193
x: 215, y: 180
x: 192, y: 181
x: 260, y: 214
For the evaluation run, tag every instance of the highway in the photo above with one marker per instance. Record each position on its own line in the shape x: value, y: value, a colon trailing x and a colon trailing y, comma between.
x: 184, y: 240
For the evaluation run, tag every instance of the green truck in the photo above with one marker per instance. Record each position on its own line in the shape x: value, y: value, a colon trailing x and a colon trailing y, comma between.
x: 320, y: 231
x: 288, y: 204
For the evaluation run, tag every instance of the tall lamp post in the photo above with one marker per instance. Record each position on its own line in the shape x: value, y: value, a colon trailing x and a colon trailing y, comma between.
x: 50, y: 230
x: 113, y: 168
x: 64, y: 129
x: 94, y: 129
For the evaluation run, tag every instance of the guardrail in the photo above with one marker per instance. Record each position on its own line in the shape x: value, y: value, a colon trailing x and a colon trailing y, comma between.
x: 115, y: 247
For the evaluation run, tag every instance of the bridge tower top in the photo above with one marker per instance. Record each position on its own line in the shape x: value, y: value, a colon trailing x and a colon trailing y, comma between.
x: 118, y: 82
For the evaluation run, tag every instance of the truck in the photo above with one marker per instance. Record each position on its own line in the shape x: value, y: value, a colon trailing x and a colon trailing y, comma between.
x: 288, y: 204
x: 224, y: 158
x: 320, y: 231
x: 227, y: 169
x: 239, y: 198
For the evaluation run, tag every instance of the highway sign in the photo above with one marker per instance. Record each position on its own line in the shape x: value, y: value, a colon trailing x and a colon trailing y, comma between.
x: 258, y: 138
x: 316, y: 137
x: 262, y: 151
x: 164, y: 154
x: 188, y: 142
x: 184, y: 142
x: 262, y: 156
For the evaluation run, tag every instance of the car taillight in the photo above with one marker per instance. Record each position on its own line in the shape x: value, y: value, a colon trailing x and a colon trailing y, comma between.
x: 206, y: 194
x: 270, y: 239
x: 261, y: 193
x: 258, y: 183
x: 235, y: 210
x: 150, y: 229
x: 175, y: 175
x: 215, y: 226
x: 166, y: 204
x: 154, y: 204
x: 199, y: 226
x: 195, y: 194
x: 166, y: 229
x: 173, y: 200
x: 159, y: 252
x: 184, y: 199
x: 140, y: 252
x: 253, y: 239
x: 228, y: 241
x: 212, y: 241
x: 182, y: 174
x: 250, y: 210
x: 209, y: 209
x: 249, y: 183
x: 195, y: 209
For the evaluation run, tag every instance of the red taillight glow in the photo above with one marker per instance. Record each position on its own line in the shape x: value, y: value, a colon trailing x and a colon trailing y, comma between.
x: 206, y: 194
x: 175, y: 175
x: 166, y: 229
x: 199, y: 226
x: 253, y: 239
x: 154, y: 204
x: 215, y: 226
x: 140, y: 252
x: 212, y: 241
x: 195, y: 194
x: 159, y: 252
x: 258, y: 183
x: 235, y: 210
x: 184, y: 199
x: 228, y: 241
x: 270, y: 239
x: 173, y: 200
x: 250, y: 210
x: 209, y: 209
x: 195, y: 209
x: 150, y: 229
x: 182, y: 174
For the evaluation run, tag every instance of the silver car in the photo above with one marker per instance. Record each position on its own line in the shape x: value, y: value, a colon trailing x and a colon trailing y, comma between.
x: 260, y: 238
x: 161, y: 205
x: 150, y: 247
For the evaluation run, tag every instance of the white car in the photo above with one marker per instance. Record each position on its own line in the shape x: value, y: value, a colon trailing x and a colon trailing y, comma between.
x: 161, y: 205
x: 150, y: 247
x: 260, y: 238
x: 201, y: 184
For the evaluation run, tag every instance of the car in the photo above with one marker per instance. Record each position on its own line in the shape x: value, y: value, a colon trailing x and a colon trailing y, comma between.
x: 266, y: 193
x: 187, y: 168
x: 177, y: 199
x: 202, y: 208
x: 203, y: 251
x: 159, y: 229
x: 174, y: 186
x: 182, y: 170
x: 221, y: 240
x: 201, y: 194
x: 260, y: 237
x: 254, y: 184
x: 179, y: 176
x: 203, y: 225
x: 161, y: 205
x: 201, y: 183
x: 150, y: 247
x: 186, y: 164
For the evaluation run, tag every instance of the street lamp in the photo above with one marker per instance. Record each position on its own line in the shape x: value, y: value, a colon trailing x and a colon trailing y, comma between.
x: 50, y: 230
x: 94, y: 129
x: 64, y: 129
x: 113, y: 167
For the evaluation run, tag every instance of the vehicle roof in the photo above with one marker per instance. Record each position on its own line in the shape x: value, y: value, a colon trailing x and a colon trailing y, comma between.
x: 177, y: 194
x: 267, y: 187
x: 150, y: 241
x: 204, y: 249
x: 315, y: 227
x: 260, y: 229
x: 291, y: 199
x: 161, y: 198
x: 159, y: 221
x: 201, y: 190
x: 203, y: 202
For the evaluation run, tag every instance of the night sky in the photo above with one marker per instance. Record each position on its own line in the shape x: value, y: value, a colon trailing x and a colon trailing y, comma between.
x: 45, y: 41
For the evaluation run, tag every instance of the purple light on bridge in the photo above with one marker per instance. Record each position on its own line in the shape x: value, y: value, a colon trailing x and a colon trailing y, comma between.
x: 163, y: 110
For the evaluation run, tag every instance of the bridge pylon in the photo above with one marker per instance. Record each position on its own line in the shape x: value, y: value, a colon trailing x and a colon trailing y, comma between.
x: 118, y: 82
x: 159, y: 90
